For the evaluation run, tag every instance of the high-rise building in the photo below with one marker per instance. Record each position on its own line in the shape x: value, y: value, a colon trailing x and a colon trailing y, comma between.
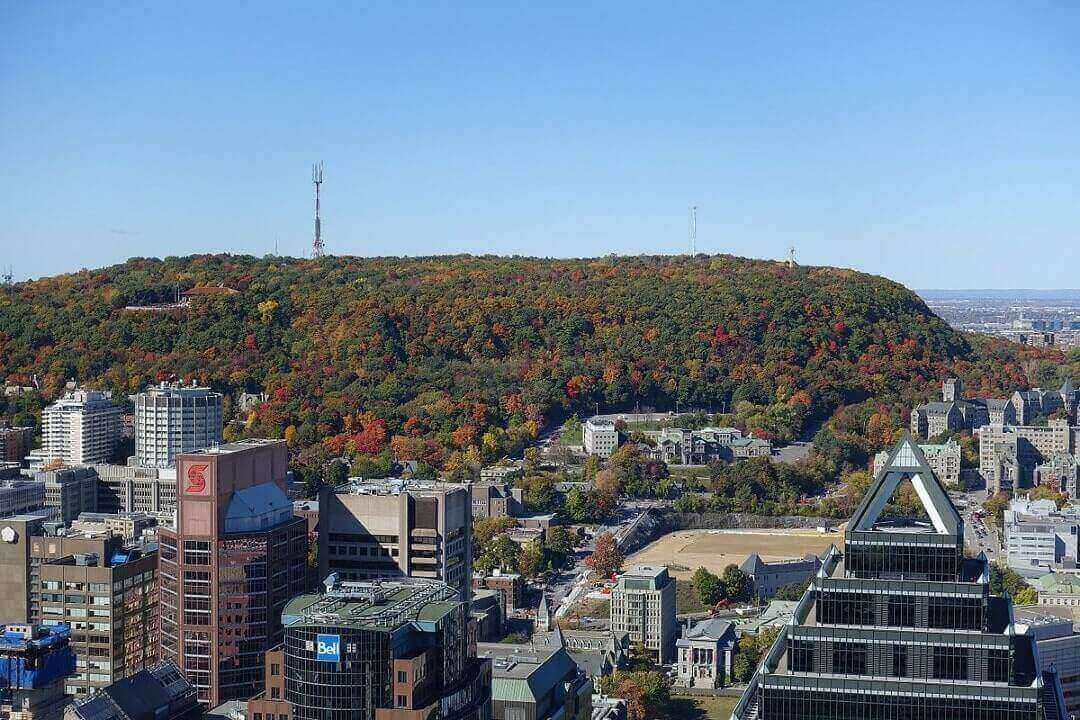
x: 105, y: 590
x: 393, y: 528
x: 34, y: 661
x: 15, y: 443
x: 234, y: 558
x: 78, y: 429
x: 902, y: 625
x: 16, y: 564
x: 643, y: 605
x: 175, y: 418
x: 390, y: 650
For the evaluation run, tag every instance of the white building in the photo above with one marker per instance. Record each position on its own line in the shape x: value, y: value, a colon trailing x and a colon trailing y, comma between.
x: 173, y: 419
x: 1038, y: 536
x: 643, y: 606
x: 80, y: 428
x: 706, y: 653
x: 1059, y: 650
x: 600, y: 437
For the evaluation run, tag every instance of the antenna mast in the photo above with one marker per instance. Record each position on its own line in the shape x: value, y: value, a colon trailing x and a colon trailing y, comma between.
x: 693, y: 230
x: 791, y: 256
x: 317, y: 179
x: 7, y: 276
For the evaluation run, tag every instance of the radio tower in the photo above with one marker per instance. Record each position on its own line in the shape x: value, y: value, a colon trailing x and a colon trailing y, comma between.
x: 693, y: 230
x: 317, y: 179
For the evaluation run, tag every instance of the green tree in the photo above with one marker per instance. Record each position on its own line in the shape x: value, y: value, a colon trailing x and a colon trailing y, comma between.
x: 706, y: 586
x: 750, y: 650
x: 531, y: 559
x: 737, y: 585
x: 791, y: 591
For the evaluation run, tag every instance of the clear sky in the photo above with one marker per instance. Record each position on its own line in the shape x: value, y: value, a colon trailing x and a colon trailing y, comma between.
x: 937, y: 143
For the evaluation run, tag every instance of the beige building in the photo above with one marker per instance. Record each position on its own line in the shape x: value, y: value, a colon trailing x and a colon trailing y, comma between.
x: 15, y: 534
x: 71, y: 490
x: 389, y: 528
x: 1023, y: 447
x: 943, y: 458
x: 128, y: 488
x: 643, y: 606
x: 106, y: 591
x: 600, y: 437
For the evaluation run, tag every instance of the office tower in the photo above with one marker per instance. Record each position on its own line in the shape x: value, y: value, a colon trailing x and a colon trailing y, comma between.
x: 129, y: 488
x: 105, y: 590
x: 34, y: 661
x: 235, y: 556
x: 902, y: 625
x: 15, y: 562
x: 70, y: 490
x: 78, y: 429
x: 390, y: 528
x: 159, y: 692
x: 21, y: 496
x: 643, y: 605
x: 175, y: 418
x: 15, y: 443
x: 391, y: 650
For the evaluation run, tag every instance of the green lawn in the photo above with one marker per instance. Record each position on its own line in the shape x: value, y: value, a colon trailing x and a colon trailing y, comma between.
x: 711, y: 707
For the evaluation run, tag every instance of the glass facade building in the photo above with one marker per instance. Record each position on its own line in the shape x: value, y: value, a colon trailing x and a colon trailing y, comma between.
x: 902, y: 626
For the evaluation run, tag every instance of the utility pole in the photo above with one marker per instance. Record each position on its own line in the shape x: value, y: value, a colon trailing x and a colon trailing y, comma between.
x: 317, y: 248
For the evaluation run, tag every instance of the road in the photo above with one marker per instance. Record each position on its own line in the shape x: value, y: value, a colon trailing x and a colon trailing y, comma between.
x: 979, y: 535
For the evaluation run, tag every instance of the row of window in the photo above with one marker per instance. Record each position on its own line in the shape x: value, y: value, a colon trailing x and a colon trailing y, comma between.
x: 947, y: 662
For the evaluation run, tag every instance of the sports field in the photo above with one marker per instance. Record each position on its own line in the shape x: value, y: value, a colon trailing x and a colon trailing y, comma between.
x: 686, y: 550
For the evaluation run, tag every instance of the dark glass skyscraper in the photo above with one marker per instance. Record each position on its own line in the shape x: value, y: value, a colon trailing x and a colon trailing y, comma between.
x: 901, y: 625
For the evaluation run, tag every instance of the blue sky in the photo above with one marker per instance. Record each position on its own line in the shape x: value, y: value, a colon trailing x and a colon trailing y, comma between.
x: 935, y: 143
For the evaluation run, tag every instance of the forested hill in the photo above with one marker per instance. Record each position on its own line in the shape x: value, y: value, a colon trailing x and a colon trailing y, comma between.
x: 441, y: 358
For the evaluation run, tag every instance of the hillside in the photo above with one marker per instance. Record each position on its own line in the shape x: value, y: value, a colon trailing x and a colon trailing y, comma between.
x: 442, y: 358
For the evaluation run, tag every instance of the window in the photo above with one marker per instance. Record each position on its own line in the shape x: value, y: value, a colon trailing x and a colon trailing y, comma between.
x: 275, y: 669
x: 845, y: 609
x: 802, y: 655
x: 997, y: 666
x: 849, y: 658
x: 402, y: 676
x: 899, y: 660
x: 955, y: 613
x: 950, y: 663
x: 901, y: 611
x: 402, y: 701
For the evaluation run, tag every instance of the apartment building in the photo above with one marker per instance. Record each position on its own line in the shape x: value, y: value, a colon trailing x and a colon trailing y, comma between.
x: 105, y: 590
x: 78, y: 429
x: 392, y: 528
x: 175, y: 418
x: 643, y: 606
x: 235, y: 556
x: 600, y: 437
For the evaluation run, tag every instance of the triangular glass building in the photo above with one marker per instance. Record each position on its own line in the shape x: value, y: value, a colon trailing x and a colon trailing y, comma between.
x: 901, y: 626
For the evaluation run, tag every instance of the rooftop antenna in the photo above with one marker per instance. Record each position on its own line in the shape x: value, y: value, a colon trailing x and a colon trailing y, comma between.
x: 693, y: 230
x: 8, y: 276
x: 317, y: 178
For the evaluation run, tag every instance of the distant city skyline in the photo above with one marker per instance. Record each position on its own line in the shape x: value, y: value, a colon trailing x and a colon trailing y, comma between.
x: 934, y: 145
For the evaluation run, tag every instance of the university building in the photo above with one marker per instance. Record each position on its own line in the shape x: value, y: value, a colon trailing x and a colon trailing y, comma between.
x: 900, y: 624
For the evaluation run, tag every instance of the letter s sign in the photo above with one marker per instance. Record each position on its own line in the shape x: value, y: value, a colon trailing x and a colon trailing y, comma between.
x: 328, y: 648
x: 196, y: 479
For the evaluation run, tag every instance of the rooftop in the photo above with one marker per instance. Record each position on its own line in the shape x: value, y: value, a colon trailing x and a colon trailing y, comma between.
x: 238, y: 446
x: 378, y: 605
x: 525, y: 672
x: 393, y: 486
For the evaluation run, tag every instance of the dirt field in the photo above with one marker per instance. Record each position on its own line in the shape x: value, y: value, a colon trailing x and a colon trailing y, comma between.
x: 687, y: 550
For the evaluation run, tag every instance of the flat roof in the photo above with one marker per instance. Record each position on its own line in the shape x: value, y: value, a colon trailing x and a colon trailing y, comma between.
x: 377, y: 605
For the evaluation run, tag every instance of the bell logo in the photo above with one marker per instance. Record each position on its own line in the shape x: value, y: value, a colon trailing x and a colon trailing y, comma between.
x: 196, y: 479
x: 328, y: 648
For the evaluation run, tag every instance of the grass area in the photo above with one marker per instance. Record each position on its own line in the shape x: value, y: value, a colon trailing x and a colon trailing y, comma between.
x: 686, y: 600
x: 710, y: 707
x: 595, y: 609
